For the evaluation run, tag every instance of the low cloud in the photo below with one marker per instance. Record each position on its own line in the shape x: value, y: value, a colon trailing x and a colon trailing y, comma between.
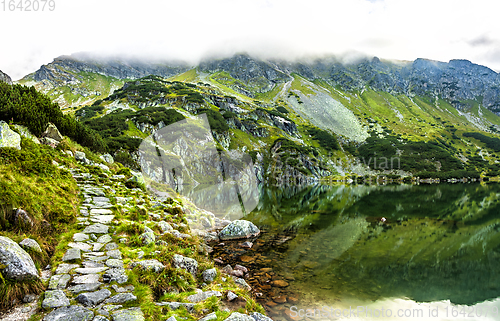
x: 192, y: 29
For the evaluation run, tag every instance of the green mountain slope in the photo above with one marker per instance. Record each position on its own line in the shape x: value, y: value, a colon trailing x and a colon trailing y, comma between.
x: 255, y: 106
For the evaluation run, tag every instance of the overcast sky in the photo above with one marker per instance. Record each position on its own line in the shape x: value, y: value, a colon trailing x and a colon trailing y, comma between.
x: 190, y: 29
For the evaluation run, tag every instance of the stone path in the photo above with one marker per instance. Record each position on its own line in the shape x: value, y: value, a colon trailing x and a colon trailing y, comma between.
x: 90, y: 283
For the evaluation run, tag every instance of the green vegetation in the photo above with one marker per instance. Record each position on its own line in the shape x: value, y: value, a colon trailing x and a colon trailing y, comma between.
x: 324, y: 138
x: 29, y: 180
x: 491, y: 142
x: 113, y: 126
x: 26, y: 106
x: 215, y: 119
x: 411, y: 156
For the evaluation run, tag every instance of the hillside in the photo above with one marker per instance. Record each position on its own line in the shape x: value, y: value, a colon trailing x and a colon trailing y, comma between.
x: 434, y: 117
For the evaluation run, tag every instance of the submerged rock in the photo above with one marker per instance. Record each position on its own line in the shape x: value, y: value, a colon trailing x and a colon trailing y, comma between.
x: 239, y: 229
x: 15, y: 263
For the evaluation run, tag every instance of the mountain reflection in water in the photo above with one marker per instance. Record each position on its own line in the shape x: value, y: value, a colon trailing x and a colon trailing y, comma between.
x: 424, y: 243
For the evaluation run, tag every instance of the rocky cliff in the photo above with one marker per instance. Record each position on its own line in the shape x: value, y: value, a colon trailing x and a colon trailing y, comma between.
x: 5, y: 78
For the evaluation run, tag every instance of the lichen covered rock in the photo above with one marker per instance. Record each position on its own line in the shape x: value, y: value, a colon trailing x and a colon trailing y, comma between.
x: 15, y: 263
x: 239, y: 229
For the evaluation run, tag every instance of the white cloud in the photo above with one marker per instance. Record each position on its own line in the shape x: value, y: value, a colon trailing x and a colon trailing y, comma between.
x: 189, y: 29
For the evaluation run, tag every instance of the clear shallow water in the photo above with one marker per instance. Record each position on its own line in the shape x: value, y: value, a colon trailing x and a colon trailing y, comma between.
x: 383, y: 246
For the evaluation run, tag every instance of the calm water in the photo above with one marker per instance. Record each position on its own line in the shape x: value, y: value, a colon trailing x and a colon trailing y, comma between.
x: 394, y: 247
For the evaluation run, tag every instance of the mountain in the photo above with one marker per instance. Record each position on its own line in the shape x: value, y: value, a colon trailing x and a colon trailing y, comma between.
x: 5, y: 78
x: 307, y: 119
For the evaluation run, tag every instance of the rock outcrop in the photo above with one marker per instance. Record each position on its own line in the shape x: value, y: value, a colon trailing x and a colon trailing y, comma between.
x: 5, y: 78
x: 8, y: 137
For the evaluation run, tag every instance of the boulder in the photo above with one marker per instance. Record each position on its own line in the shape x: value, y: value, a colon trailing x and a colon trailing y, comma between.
x: 15, y: 263
x: 53, y: 133
x: 21, y: 218
x: 25, y: 132
x: 93, y: 298
x: 236, y: 316
x: 239, y: 229
x: 147, y: 238
x: 8, y: 137
x: 202, y: 296
x: 107, y: 158
x: 55, y: 299
x: 188, y: 264
x: 49, y: 142
x: 209, y: 275
x: 260, y: 317
x: 81, y: 157
x: 149, y: 265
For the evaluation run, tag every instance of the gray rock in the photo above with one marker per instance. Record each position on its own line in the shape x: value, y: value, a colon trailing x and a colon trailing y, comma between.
x: 18, y: 264
x: 86, y: 287
x: 115, y: 254
x: 128, y: 288
x: 165, y: 227
x: 8, y: 137
x: 209, y: 317
x: 84, y: 247
x: 5, y: 78
x: 28, y: 298
x: 91, y: 299
x: 188, y: 264
x: 103, y: 219
x: 25, y: 132
x: 148, y: 238
x: 121, y: 298
x: 231, y: 296
x: 70, y: 313
x: 72, y: 254
x: 55, y: 299
x: 111, y: 246
x: 80, y: 237
x: 100, y: 318
x: 172, y: 318
x: 97, y: 228
x: 131, y: 314
x: 198, y: 297
x: 52, y: 132
x: 176, y: 305
x: 100, y: 211
x: 260, y: 317
x: 65, y: 268
x: 80, y: 156
x: 104, y: 239
x: 149, y: 265
x: 236, y: 316
x: 59, y: 281
x: 22, y: 219
x: 239, y: 229
x: 86, y: 278
x: 92, y: 270
x: 241, y: 283
x: 115, y: 274
x: 30, y: 244
x: 114, y: 263
x: 209, y: 275
x: 107, y: 158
